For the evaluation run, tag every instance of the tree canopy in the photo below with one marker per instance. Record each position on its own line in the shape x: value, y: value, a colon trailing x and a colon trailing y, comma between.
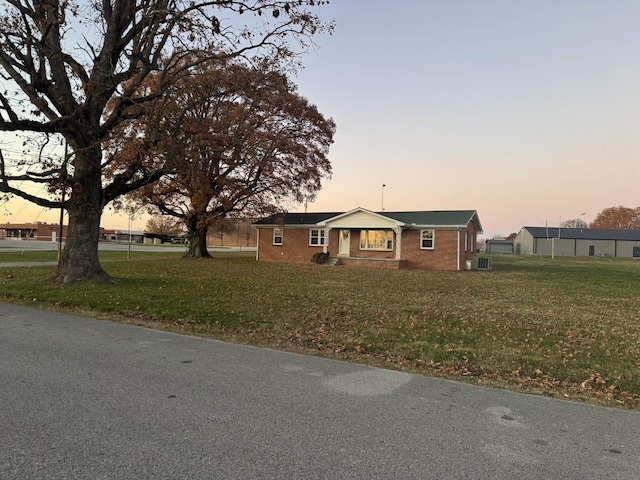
x: 619, y: 217
x: 75, y: 69
x: 163, y: 225
x: 574, y: 223
x: 241, y: 140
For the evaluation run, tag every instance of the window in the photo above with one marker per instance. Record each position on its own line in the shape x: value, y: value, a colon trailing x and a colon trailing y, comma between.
x: 316, y: 236
x: 466, y: 240
x: 277, y: 236
x: 426, y: 239
x: 376, y: 240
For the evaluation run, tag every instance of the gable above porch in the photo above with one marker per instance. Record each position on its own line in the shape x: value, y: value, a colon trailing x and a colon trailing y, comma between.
x: 361, y: 218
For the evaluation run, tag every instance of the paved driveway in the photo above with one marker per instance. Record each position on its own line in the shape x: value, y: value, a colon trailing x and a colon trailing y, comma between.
x: 90, y: 399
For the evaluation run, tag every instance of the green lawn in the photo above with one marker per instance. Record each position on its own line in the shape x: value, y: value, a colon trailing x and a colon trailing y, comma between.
x: 565, y: 327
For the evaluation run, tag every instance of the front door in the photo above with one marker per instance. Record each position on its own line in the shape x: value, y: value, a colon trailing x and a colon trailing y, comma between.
x: 344, y: 245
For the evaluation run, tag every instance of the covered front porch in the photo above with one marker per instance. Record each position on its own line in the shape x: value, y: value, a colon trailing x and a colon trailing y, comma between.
x: 364, y: 238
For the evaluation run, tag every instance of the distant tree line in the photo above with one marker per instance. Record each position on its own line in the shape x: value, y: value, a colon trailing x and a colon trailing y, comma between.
x: 618, y: 218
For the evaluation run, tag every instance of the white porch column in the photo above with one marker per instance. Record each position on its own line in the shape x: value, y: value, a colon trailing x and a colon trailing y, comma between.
x: 325, y: 247
x: 398, y: 232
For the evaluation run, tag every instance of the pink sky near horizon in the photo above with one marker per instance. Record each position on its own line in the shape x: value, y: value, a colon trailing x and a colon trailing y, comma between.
x: 527, y: 112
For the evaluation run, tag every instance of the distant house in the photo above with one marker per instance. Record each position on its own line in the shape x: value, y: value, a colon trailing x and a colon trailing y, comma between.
x: 135, y: 236
x: 109, y: 235
x: 437, y: 240
x: 580, y: 242
x: 498, y: 246
x: 138, y: 236
x: 32, y: 231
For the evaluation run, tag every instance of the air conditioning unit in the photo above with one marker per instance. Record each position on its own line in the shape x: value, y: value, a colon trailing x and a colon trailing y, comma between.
x: 480, y: 263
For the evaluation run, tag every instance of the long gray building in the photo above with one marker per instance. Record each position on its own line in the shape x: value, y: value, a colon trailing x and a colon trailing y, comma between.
x: 578, y: 242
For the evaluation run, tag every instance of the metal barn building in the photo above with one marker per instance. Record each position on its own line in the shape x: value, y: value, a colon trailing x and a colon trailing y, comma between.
x: 578, y: 242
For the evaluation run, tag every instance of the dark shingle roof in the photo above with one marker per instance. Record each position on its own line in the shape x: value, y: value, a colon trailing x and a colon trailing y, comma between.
x: 296, y: 218
x: 584, y: 233
x: 443, y: 218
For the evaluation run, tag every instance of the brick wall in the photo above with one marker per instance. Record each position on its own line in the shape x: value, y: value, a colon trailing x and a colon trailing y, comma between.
x: 295, y: 248
x: 374, y: 263
x: 444, y: 255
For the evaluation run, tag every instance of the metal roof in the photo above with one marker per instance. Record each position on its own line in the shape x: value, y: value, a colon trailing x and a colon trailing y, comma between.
x: 584, y: 233
x: 443, y: 218
x: 500, y: 241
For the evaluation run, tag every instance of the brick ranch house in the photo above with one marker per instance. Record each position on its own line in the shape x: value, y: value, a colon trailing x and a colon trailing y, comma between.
x: 431, y: 240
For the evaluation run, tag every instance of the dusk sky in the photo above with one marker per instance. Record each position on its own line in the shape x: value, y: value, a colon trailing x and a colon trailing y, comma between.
x: 526, y: 111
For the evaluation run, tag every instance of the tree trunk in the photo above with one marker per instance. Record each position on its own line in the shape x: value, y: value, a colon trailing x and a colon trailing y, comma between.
x: 79, y: 259
x: 198, y: 243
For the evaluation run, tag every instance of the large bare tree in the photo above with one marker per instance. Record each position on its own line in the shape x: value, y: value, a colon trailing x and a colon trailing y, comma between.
x: 242, y: 142
x: 73, y: 69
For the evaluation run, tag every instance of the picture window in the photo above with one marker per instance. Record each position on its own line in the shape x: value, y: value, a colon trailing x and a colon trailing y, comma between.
x: 376, y: 240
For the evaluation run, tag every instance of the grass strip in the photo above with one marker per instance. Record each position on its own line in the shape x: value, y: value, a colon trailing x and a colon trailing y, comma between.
x: 567, y: 327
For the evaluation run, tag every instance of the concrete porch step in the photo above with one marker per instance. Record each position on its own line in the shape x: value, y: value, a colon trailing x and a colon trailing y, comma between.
x: 333, y: 261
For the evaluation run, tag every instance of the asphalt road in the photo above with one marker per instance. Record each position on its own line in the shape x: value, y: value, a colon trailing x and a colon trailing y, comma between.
x: 33, y: 245
x: 23, y: 245
x: 30, y: 245
x: 90, y: 399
